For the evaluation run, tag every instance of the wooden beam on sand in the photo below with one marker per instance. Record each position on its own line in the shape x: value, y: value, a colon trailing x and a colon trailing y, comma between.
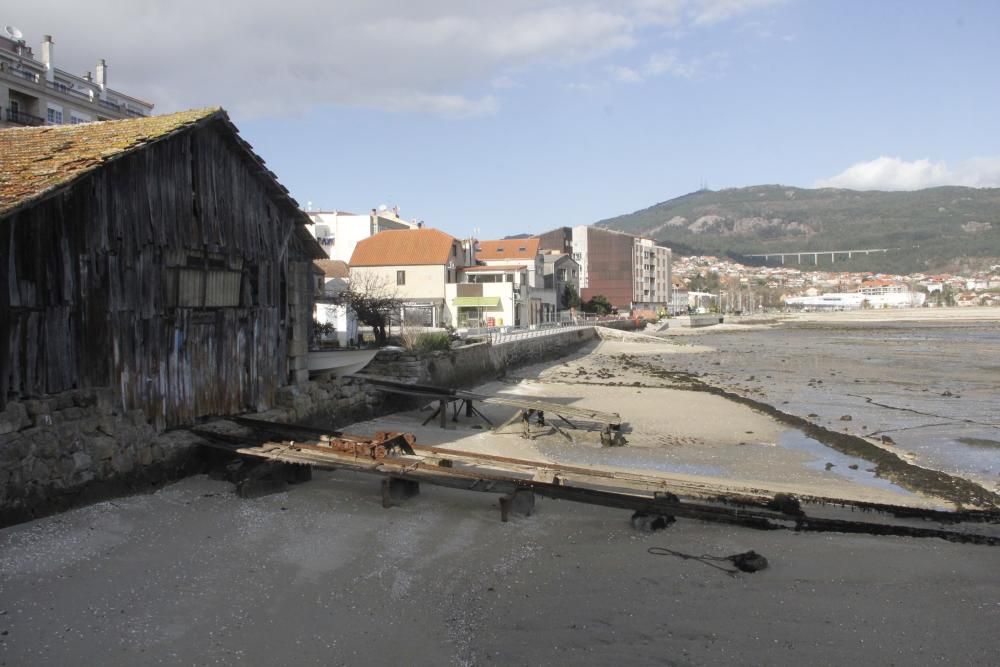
x: 626, y: 490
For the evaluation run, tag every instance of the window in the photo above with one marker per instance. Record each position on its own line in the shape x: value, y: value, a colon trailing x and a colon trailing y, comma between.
x: 76, y: 119
x: 54, y: 115
x: 400, y: 277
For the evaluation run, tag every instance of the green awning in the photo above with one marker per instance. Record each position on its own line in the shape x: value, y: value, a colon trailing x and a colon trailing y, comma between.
x: 476, y: 301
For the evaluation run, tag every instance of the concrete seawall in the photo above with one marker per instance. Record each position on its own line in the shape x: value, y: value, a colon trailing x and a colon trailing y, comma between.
x: 473, y: 364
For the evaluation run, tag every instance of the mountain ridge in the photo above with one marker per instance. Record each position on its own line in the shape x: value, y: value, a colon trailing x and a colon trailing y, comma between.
x: 946, y: 228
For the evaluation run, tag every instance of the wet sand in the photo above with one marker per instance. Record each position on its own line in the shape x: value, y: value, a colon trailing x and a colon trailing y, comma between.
x: 323, y: 575
x: 929, y: 385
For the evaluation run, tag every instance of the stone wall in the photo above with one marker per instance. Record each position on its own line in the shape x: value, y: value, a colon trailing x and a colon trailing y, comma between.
x: 78, y: 446
x: 81, y: 446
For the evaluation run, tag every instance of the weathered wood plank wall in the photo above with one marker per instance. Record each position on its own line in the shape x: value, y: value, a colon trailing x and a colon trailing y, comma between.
x: 92, y: 280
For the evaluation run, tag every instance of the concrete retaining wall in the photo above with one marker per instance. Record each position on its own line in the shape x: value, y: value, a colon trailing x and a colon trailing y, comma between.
x: 477, y: 363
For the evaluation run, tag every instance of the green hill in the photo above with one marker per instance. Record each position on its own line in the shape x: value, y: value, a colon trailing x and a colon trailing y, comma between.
x: 938, y: 229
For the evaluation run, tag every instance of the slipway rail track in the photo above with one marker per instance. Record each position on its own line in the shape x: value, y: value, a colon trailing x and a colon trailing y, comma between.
x: 396, y: 457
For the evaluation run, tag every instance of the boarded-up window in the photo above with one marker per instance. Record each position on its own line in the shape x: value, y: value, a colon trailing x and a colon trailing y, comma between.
x: 210, y: 281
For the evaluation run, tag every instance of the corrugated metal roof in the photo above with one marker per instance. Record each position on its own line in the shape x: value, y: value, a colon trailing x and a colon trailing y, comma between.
x: 404, y: 247
x: 507, y: 249
x: 495, y: 267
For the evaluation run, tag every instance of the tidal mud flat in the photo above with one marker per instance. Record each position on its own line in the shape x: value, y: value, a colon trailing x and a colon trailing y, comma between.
x: 924, y: 390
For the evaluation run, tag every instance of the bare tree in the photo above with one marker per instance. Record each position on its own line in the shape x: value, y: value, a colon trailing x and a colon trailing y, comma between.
x: 372, y: 300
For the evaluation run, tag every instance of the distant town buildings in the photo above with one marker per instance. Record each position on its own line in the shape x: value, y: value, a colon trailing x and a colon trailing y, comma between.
x: 749, y: 288
x: 34, y: 91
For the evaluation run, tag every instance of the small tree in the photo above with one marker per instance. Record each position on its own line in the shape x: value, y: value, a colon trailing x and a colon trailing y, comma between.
x: 570, y: 297
x: 597, y: 304
x: 372, y: 301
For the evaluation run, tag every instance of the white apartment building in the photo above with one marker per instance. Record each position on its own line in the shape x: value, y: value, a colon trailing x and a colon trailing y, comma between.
x: 36, y: 92
x: 651, y: 273
x: 340, y: 232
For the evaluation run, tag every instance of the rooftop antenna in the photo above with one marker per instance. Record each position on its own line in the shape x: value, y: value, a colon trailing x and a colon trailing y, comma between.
x: 13, y: 33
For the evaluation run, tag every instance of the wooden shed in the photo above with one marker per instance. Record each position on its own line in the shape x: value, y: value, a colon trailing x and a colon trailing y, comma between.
x: 156, y: 256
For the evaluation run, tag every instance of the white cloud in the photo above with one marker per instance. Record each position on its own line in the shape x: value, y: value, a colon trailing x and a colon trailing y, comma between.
x: 706, y: 12
x: 624, y: 74
x: 669, y: 63
x: 697, y: 12
x: 893, y: 173
x: 266, y: 58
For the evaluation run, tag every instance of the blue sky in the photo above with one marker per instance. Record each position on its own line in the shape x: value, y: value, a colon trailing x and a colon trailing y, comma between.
x: 524, y: 115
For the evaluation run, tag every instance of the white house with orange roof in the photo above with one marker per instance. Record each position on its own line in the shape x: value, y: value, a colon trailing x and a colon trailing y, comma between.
x: 417, y: 265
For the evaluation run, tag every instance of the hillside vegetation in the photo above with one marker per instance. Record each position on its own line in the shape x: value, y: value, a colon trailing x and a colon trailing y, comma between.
x: 938, y: 229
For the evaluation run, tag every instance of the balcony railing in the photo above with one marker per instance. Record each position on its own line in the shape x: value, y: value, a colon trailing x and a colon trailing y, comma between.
x: 21, y: 118
x: 109, y: 105
x: 67, y: 90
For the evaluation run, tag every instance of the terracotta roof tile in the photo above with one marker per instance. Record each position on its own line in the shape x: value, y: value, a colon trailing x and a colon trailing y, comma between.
x: 404, y: 247
x: 507, y: 249
x: 332, y: 268
x: 36, y: 160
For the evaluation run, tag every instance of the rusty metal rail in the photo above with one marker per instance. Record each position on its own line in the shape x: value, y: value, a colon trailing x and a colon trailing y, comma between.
x: 396, y: 456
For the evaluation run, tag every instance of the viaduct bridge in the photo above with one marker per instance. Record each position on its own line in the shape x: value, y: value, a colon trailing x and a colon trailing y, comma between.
x: 820, y: 253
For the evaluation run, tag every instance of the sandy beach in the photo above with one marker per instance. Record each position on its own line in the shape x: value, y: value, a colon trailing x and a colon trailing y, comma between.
x: 322, y: 574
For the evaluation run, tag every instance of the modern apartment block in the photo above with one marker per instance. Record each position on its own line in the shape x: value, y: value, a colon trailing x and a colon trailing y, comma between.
x: 632, y: 273
x: 36, y: 92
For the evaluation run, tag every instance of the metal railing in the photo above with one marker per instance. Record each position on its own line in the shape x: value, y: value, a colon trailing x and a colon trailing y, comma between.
x: 21, y: 118
x: 66, y: 89
x: 501, y: 335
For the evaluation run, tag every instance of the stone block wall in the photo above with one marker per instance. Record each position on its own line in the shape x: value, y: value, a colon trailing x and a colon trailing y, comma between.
x: 80, y: 446
x: 61, y: 450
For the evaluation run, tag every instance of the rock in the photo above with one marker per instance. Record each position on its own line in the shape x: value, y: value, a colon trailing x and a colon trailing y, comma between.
x: 14, y: 418
x: 886, y: 440
x: 786, y: 504
x: 81, y: 463
x: 648, y: 523
x: 102, y: 448
x: 845, y: 418
x: 829, y: 466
